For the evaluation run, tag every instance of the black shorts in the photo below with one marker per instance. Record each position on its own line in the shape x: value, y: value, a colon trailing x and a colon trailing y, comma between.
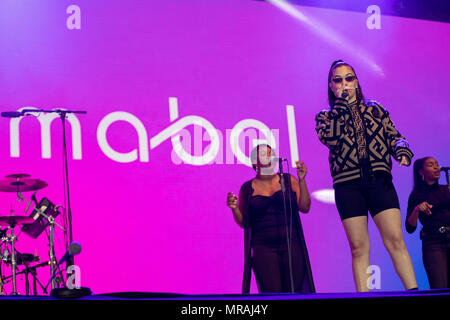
x: 354, y: 200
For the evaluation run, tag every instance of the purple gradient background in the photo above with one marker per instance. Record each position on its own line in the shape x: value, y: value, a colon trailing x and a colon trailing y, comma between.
x: 162, y: 227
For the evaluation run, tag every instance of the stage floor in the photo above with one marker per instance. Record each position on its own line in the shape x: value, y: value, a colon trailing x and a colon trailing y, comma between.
x: 238, y: 306
x: 374, y: 295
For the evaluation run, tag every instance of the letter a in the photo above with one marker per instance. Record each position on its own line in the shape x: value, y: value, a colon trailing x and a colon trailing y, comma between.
x: 374, y: 20
x: 74, y: 20
x: 374, y: 280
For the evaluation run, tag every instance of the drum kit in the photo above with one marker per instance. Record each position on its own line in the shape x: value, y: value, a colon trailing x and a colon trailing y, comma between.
x: 42, y: 216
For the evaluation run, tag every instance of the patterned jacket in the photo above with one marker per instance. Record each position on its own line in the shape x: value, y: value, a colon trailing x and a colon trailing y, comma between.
x: 336, y: 130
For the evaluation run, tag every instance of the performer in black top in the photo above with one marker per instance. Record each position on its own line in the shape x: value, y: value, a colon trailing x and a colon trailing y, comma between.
x: 270, y: 233
x: 361, y: 139
x: 429, y: 202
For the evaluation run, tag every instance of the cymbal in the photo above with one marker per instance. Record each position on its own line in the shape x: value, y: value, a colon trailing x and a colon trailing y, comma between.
x: 15, y: 220
x: 21, y: 185
x: 18, y: 175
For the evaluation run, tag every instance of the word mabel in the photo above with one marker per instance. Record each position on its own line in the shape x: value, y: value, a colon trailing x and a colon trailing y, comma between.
x: 174, y: 133
x: 235, y: 309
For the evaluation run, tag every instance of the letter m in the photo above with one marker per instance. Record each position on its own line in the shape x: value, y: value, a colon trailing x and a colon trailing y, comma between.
x: 45, y: 121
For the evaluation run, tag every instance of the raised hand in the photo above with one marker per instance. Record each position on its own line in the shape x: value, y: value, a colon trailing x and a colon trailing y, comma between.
x: 231, y: 200
x: 404, y: 161
x: 301, y: 170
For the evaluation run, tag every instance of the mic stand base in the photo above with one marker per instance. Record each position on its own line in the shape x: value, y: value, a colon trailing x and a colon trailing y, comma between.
x: 66, y: 293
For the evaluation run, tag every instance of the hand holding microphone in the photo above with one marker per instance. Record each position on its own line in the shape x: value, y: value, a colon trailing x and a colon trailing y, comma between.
x: 344, y: 91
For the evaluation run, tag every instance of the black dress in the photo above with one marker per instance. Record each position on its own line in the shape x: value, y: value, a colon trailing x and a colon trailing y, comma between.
x: 266, y: 248
x: 435, y: 233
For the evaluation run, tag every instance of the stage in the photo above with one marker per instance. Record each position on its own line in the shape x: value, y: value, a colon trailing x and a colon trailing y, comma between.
x: 251, y: 306
x: 127, y: 134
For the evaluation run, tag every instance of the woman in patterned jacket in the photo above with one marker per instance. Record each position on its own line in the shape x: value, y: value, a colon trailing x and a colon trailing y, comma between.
x: 361, y: 139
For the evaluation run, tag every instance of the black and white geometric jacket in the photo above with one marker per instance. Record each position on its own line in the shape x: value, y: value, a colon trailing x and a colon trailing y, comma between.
x: 336, y: 130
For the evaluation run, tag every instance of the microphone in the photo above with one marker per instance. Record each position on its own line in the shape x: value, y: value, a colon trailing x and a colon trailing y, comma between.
x: 444, y: 169
x: 12, y: 114
x: 344, y: 94
x: 74, y: 249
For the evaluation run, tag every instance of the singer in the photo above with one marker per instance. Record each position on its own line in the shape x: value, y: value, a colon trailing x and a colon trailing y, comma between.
x: 429, y: 202
x: 361, y: 138
x: 273, y: 238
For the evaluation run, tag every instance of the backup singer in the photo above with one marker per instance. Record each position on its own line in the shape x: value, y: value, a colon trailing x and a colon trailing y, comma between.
x: 361, y: 138
x: 429, y: 202
x: 260, y: 211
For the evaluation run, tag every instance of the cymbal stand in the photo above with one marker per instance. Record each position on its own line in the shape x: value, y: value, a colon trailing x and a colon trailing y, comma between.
x: 4, y: 257
x: 11, y: 238
x: 32, y: 271
x: 52, y: 250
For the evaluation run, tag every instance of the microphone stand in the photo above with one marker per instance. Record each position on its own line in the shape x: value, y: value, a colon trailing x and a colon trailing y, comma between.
x: 62, y: 114
x: 288, y: 230
x: 52, y: 223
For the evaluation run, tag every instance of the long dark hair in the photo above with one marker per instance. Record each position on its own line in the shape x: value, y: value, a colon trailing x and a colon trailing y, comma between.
x: 331, y: 96
x: 418, y: 179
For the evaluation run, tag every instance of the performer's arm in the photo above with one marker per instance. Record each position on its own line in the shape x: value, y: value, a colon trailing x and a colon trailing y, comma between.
x: 330, y: 124
x: 414, y: 209
x: 412, y: 215
x: 397, y: 143
x: 232, y: 203
x: 300, y: 188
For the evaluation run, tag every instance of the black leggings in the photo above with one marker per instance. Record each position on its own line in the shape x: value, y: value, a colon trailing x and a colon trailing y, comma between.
x: 271, y: 267
x: 436, y: 260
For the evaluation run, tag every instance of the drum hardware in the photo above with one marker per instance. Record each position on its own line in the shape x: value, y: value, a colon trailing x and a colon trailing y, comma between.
x: 74, y: 249
x: 12, y: 222
x: 63, y: 113
x: 22, y: 259
x: 38, y: 215
x: 31, y: 270
x: 43, y: 215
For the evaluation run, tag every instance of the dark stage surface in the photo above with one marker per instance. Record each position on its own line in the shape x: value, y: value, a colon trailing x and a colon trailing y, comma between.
x: 236, y: 306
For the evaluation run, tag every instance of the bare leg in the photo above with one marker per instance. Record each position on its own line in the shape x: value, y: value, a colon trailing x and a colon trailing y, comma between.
x: 389, y: 225
x: 358, y: 238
